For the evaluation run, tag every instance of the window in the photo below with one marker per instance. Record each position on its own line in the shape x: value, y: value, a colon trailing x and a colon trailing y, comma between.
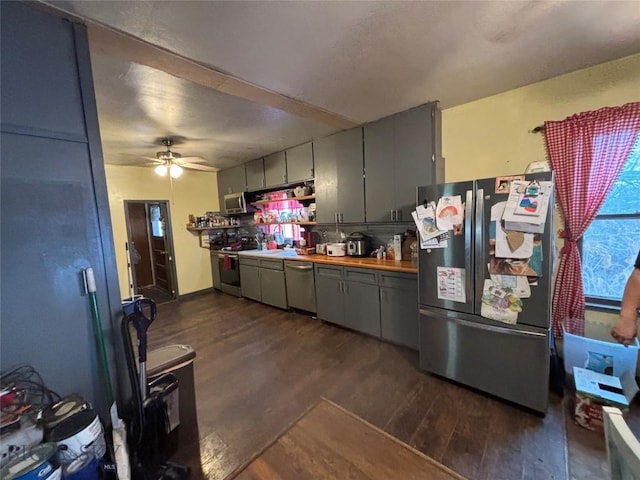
x: 611, y: 243
x: 157, y: 222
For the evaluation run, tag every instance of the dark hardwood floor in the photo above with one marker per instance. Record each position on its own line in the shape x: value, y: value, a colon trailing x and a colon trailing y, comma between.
x: 258, y: 369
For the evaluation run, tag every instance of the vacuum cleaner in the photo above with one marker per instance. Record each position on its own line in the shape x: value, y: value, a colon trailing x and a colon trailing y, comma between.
x: 152, y: 416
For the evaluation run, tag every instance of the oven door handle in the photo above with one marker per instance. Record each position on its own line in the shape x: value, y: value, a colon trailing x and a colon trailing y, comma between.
x: 230, y: 255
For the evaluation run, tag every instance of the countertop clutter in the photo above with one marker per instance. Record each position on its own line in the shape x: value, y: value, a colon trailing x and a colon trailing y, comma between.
x: 362, y: 262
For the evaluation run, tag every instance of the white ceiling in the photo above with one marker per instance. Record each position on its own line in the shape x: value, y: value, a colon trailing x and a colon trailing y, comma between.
x: 360, y: 60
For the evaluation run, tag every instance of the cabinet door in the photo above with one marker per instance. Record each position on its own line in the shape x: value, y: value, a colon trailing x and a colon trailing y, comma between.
x: 255, y: 174
x: 275, y: 169
x: 250, y: 282
x: 215, y: 271
x: 326, y: 170
x: 379, y: 167
x: 329, y: 297
x: 350, y: 171
x: 231, y: 180
x: 362, y: 307
x: 273, y: 287
x: 300, y: 163
x: 414, y: 166
x: 399, y: 314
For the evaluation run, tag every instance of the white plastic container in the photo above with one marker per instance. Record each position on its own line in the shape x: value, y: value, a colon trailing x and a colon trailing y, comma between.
x: 336, y: 249
x: 580, y: 351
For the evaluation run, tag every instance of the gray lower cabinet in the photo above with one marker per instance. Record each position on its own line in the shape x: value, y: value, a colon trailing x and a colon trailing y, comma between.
x: 215, y: 271
x: 329, y: 298
x: 348, y: 297
x: 255, y: 174
x: 250, y: 282
x: 338, y: 166
x: 300, y: 163
x: 275, y: 169
x: 378, y: 303
x: 362, y: 307
x: 399, y: 310
x: 263, y: 280
x: 273, y: 287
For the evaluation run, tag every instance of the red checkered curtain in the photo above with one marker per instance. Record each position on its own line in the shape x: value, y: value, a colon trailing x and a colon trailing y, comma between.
x: 587, y: 152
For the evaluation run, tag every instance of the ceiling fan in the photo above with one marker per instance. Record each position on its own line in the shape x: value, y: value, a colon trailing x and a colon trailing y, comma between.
x: 173, y: 163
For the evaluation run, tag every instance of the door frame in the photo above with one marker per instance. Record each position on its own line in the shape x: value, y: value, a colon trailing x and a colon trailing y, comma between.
x: 169, y: 246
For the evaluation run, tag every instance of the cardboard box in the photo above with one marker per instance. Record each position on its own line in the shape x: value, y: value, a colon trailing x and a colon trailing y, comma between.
x: 610, y: 358
x: 595, y: 390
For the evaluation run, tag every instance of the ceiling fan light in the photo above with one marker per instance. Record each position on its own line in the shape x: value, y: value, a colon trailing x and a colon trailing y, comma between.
x: 161, y: 170
x: 175, y: 170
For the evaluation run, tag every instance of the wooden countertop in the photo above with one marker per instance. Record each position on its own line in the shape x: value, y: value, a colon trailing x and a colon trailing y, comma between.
x: 361, y: 262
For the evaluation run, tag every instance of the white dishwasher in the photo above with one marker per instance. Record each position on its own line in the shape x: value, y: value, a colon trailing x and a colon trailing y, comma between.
x: 301, y: 292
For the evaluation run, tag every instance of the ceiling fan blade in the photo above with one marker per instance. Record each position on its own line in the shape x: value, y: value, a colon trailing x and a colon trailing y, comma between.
x: 197, y: 166
x: 194, y: 159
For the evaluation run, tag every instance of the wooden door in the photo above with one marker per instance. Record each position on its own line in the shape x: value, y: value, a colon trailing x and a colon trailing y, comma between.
x: 139, y: 251
x: 161, y: 250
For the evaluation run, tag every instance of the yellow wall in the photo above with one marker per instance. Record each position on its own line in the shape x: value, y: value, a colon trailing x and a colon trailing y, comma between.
x: 194, y: 193
x: 490, y: 137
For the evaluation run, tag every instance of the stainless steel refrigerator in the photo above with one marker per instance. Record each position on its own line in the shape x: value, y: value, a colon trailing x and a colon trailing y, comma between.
x: 510, y: 361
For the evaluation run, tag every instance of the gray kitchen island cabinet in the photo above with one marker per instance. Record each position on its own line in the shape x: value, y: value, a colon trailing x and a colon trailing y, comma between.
x: 300, y: 163
x: 348, y: 297
x: 263, y: 280
x: 275, y: 169
x: 399, y: 310
x: 255, y: 174
x: 401, y: 152
x: 338, y: 166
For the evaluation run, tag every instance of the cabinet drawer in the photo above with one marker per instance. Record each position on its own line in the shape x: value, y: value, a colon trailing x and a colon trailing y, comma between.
x: 361, y: 275
x: 328, y: 271
x: 249, y: 261
x: 271, y: 264
x: 408, y: 281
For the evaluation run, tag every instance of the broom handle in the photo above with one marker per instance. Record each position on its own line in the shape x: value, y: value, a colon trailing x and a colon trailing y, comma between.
x: 97, y: 327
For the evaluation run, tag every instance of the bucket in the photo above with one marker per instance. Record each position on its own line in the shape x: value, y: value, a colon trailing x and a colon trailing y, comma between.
x: 78, y: 434
x: 85, y: 467
x: 34, y: 466
x: 65, y: 408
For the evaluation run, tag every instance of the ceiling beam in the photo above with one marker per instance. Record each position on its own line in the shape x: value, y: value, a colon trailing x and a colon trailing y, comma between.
x: 106, y: 41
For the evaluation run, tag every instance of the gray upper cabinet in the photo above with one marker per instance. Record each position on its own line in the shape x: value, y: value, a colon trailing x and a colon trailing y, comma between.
x: 275, y: 169
x: 402, y: 152
x: 300, y: 163
x: 231, y: 180
x: 255, y: 174
x: 338, y: 165
x: 379, y: 169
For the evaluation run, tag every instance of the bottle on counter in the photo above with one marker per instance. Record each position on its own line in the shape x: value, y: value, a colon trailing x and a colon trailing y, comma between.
x: 380, y: 253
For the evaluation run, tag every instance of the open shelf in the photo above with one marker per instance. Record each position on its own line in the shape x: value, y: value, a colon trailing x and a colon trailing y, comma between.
x: 215, y: 227
x: 297, y: 199
x: 285, y: 223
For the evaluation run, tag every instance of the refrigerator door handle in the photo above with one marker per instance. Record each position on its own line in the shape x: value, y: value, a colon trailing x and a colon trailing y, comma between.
x: 468, y: 245
x: 490, y: 328
x: 479, y: 247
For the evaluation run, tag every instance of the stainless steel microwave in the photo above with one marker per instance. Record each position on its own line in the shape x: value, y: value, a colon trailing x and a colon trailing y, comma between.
x: 236, y: 203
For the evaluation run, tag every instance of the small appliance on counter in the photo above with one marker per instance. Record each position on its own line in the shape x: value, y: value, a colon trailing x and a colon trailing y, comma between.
x: 358, y: 245
x: 336, y: 249
x: 321, y: 248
